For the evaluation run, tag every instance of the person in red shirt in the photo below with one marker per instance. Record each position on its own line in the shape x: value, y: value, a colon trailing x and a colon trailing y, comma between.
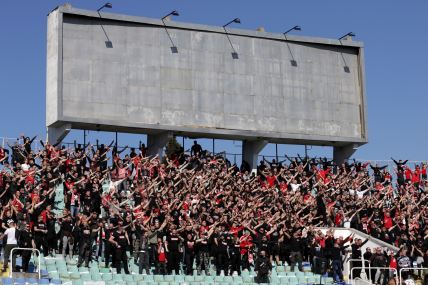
x: 387, y: 220
x: 416, y: 177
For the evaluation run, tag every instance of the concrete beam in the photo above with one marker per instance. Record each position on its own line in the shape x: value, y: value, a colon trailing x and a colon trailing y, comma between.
x: 251, y: 150
x: 341, y: 154
x: 156, y: 143
x: 57, y: 134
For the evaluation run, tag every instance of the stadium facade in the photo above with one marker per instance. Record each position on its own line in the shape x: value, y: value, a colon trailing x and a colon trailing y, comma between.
x: 122, y: 73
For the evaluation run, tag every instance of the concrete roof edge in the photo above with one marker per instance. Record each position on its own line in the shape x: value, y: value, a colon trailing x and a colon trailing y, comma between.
x: 68, y: 9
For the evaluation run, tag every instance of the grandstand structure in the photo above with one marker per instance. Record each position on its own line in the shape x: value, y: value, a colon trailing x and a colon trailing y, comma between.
x: 119, y: 73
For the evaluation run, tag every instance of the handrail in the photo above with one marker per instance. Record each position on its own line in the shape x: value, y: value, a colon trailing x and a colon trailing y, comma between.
x: 366, y: 236
x: 363, y: 268
x: 409, y: 268
x: 348, y: 263
x: 28, y: 249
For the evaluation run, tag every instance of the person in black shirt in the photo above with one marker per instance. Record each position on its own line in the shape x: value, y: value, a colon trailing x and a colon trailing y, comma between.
x: 40, y: 234
x: 263, y: 268
x: 67, y: 225
x: 400, y: 164
x: 189, y: 253
x: 356, y: 254
x: 204, y: 245
x: 85, y: 244
x: 174, y: 255
x: 296, y: 248
x: 235, y: 256
x: 144, y: 255
x: 109, y: 246
x: 25, y: 239
x: 121, y: 241
x: 196, y: 149
x: 337, y: 264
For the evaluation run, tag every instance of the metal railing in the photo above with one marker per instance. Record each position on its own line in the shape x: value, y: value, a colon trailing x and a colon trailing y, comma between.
x: 348, y: 263
x: 27, y: 249
x: 409, y: 268
x: 370, y: 268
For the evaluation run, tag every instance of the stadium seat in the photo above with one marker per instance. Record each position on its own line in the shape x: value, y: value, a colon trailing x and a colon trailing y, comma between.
x: 64, y: 274
x: 74, y: 275
x: 149, y: 278
x: 44, y: 281
x: 77, y: 282
x: 85, y: 276
x: 101, y: 270
x: 31, y: 281
x: 50, y: 261
x: 96, y: 277
x: 7, y: 281
x: 127, y: 277
x: 107, y: 277
x: 55, y: 282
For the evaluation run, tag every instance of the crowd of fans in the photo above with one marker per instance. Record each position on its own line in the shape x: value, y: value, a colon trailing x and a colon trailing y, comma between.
x: 198, y: 211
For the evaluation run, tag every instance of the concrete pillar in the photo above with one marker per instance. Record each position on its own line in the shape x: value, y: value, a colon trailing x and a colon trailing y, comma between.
x: 251, y: 150
x: 342, y: 153
x: 156, y: 143
x: 55, y: 135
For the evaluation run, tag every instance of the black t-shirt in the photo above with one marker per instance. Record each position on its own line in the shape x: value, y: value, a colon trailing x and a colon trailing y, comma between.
x: 40, y: 226
x: 173, y: 243
x: 120, y: 238
x: 189, y: 245
x: 85, y: 233
x: 25, y: 238
x: 204, y: 245
x: 67, y: 227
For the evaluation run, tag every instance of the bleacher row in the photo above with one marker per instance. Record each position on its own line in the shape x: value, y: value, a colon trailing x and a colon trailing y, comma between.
x: 57, y: 271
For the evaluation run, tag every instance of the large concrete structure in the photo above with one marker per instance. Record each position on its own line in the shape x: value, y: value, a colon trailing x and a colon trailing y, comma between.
x: 120, y: 73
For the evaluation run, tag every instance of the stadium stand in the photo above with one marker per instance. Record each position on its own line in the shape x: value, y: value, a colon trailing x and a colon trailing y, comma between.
x: 98, y: 215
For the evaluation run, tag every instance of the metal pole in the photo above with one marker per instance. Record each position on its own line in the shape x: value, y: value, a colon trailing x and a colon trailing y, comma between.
x: 213, y: 146
x: 183, y: 144
x: 84, y: 139
x: 306, y: 151
x: 116, y: 140
x: 276, y: 152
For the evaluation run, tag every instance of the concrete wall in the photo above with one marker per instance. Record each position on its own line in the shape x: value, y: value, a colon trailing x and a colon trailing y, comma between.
x: 118, y: 73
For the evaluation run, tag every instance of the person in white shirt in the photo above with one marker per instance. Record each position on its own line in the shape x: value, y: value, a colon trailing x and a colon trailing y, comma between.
x: 10, y: 244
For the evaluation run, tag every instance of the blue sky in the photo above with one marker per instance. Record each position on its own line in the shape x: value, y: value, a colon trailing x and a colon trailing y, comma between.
x: 394, y: 33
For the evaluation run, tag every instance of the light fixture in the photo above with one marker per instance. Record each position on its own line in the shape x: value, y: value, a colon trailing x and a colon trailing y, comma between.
x: 295, y: 28
x: 174, y: 48
x: 350, y: 34
x: 106, y: 5
x: 173, y: 13
x: 236, y: 20
x: 234, y: 52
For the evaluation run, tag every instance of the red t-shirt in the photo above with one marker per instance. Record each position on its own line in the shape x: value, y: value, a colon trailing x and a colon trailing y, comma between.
x: 271, y: 180
x: 387, y: 222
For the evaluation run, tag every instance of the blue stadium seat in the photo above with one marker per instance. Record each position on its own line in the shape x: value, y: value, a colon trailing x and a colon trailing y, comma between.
x: 19, y: 281
x: 56, y: 282
x: 7, y: 281
x: 32, y: 281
